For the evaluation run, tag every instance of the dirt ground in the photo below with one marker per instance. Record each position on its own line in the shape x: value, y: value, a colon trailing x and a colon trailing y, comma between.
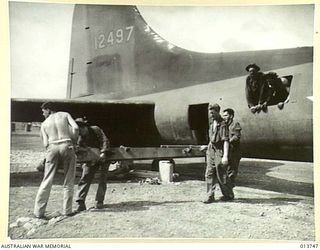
x: 274, y: 201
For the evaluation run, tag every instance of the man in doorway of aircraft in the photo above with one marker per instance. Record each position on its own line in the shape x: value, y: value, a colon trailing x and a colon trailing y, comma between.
x: 234, y: 143
x: 59, y: 141
x: 278, y: 89
x: 217, y: 156
x: 92, y: 138
x: 256, y: 89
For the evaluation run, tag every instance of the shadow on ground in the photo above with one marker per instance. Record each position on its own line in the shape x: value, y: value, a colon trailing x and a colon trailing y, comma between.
x: 145, y: 205
x: 34, y: 178
x: 278, y: 201
x: 253, y: 174
x: 134, y: 206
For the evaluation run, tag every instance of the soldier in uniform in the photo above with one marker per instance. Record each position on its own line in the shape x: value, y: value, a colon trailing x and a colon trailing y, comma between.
x: 217, y: 156
x: 234, y: 142
x: 92, y: 137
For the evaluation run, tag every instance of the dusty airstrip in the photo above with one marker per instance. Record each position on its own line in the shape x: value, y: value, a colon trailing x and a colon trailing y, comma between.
x: 274, y: 201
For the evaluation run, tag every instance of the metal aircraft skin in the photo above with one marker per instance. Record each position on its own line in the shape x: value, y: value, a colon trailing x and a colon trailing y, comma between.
x: 145, y: 92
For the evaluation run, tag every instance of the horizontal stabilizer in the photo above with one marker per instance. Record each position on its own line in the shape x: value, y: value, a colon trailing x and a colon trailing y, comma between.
x: 124, y: 122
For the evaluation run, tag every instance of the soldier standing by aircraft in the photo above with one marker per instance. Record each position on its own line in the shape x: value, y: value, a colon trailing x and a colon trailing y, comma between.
x: 58, y: 140
x: 92, y: 137
x: 217, y: 156
x: 234, y: 142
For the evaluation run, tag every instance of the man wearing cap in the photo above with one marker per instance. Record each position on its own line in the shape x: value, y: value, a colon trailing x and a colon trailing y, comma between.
x: 217, y: 156
x: 92, y: 137
x: 59, y: 140
x: 256, y: 89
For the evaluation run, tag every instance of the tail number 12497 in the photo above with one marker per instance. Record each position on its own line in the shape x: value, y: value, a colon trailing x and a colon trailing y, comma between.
x: 114, y: 37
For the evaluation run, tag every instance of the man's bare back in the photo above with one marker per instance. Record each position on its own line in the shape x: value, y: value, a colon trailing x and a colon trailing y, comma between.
x: 57, y: 128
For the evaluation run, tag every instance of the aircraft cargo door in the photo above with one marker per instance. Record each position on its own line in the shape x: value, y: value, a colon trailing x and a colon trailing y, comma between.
x: 198, y: 122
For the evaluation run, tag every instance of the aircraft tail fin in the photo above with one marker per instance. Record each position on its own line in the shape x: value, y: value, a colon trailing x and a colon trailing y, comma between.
x: 108, y: 46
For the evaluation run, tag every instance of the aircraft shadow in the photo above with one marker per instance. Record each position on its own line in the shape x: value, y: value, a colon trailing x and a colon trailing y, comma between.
x: 252, y: 174
x: 34, y: 178
x: 278, y: 201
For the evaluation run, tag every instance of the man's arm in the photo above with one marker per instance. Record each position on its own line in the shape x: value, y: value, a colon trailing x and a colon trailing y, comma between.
x: 263, y: 92
x: 249, y: 94
x: 104, y: 142
x: 75, y: 128
x: 225, y: 153
x: 225, y: 139
x: 44, y: 136
x: 235, y: 132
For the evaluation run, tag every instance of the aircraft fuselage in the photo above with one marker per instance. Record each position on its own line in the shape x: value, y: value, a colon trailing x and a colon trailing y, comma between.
x: 115, y: 55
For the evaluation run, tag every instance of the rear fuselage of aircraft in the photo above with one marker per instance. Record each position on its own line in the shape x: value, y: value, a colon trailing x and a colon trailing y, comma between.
x: 116, y: 55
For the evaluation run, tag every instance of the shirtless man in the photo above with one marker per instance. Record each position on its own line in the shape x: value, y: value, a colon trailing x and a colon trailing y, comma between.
x: 59, y: 132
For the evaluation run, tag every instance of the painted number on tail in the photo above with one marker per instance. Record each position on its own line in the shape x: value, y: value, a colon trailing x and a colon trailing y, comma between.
x: 114, y: 37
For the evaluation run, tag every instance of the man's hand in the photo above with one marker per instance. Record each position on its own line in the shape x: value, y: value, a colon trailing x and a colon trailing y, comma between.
x: 253, y: 109
x: 258, y: 108
x: 224, y: 160
x: 203, y: 148
x: 102, y: 157
x: 280, y: 105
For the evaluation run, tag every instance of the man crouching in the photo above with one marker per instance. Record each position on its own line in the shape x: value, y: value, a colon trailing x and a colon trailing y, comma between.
x: 92, y: 137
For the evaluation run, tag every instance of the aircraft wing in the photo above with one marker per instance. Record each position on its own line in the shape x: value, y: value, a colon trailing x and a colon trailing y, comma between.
x: 125, y: 123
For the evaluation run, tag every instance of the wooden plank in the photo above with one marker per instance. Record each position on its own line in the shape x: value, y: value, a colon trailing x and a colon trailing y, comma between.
x: 127, y: 153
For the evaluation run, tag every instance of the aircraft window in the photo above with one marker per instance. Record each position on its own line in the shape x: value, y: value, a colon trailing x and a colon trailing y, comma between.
x: 267, y: 90
x: 278, y: 89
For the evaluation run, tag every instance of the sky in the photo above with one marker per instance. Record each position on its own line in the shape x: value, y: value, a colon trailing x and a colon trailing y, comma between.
x: 40, y: 35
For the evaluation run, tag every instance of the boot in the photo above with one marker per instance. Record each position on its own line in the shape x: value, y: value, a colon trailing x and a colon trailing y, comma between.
x: 210, y: 196
x: 81, y: 206
x: 99, y: 205
x: 209, y: 199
